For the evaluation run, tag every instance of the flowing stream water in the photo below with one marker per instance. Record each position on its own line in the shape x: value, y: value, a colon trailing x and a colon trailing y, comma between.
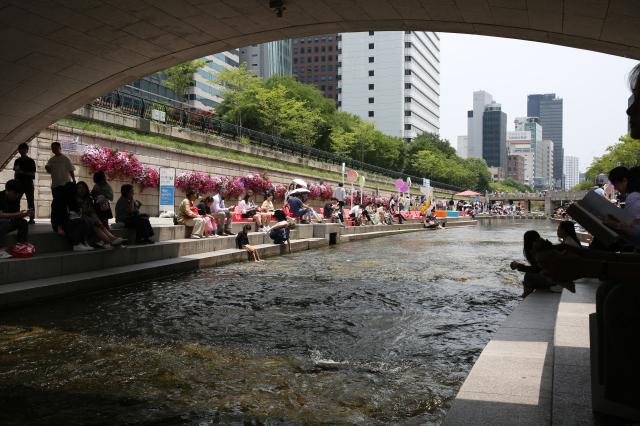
x: 371, y: 332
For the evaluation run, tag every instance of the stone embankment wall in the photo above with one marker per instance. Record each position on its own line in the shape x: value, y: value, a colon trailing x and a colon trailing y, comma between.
x: 74, y: 142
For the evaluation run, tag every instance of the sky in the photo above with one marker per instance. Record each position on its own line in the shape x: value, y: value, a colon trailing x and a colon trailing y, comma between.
x: 593, y: 86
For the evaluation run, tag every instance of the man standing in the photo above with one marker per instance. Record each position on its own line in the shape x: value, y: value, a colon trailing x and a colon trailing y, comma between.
x: 11, y: 217
x: 25, y: 173
x: 60, y: 168
x: 222, y: 214
x: 339, y: 194
x: 62, y: 174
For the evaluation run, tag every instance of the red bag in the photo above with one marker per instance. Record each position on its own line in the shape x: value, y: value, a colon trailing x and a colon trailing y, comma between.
x: 22, y: 250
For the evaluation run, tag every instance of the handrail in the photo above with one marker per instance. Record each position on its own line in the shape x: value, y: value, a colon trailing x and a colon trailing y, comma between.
x: 199, y: 120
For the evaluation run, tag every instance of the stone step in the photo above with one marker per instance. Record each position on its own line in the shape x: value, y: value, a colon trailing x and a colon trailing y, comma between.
x: 226, y: 256
x: 46, y: 241
x: 68, y: 262
x: 29, y: 291
x: 34, y: 290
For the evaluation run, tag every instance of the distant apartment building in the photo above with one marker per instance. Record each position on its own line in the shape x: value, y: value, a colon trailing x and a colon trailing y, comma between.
x: 541, y: 177
x: 549, y: 109
x: 519, y: 143
x: 462, y: 147
x: 475, y: 123
x: 544, y: 159
x: 515, y: 168
x: 315, y: 61
x: 267, y: 59
x: 571, y: 171
x: 494, y: 135
x: 391, y: 78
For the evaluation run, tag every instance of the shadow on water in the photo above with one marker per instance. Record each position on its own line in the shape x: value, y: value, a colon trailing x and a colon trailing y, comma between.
x: 369, y: 332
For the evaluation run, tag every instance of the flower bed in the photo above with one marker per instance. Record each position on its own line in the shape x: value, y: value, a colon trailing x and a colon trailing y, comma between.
x: 119, y: 164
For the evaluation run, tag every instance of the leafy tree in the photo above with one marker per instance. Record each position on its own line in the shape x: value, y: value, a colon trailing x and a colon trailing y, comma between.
x: 180, y: 77
x: 624, y: 153
x: 240, y: 103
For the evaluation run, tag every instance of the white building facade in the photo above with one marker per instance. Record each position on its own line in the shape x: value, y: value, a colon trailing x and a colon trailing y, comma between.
x: 544, y: 160
x: 206, y: 94
x: 571, y: 171
x: 463, y: 146
x: 519, y: 143
x: 391, y: 78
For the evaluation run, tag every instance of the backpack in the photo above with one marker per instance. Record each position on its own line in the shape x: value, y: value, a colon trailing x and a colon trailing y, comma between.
x: 21, y: 250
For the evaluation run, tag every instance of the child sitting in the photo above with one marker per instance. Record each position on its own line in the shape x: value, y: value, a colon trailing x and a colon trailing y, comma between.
x: 242, y: 242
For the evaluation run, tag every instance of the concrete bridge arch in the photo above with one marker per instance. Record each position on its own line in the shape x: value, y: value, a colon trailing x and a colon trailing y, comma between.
x: 57, y: 55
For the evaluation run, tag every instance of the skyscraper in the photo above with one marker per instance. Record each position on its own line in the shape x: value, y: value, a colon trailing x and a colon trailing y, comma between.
x: 494, y: 135
x: 475, y: 123
x: 315, y: 61
x: 393, y: 79
x: 267, y: 59
x: 571, y: 171
x: 549, y: 109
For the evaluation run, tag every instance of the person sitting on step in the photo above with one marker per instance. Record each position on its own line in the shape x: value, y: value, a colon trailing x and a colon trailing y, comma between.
x: 242, y: 242
x: 128, y: 213
x: 222, y: 214
x: 87, y: 209
x: 102, y: 194
x: 11, y: 217
x: 263, y: 217
x: 188, y: 215
x: 279, y: 232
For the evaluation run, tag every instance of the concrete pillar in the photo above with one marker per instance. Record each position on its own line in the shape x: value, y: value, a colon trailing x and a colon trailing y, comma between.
x: 548, y: 205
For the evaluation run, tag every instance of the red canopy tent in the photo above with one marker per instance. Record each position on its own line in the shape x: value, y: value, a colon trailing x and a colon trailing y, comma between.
x: 468, y: 193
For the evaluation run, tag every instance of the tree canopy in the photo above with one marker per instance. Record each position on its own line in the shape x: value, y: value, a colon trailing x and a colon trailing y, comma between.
x: 180, y: 77
x: 285, y: 107
x: 626, y: 152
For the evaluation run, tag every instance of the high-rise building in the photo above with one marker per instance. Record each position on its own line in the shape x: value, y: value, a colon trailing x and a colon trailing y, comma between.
x: 206, y: 93
x: 515, y: 168
x: 549, y: 109
x: 494, y: 135
x: 267, y: 59
x: 463, y: 145
x: 571, y: 171
x: 520, y: 143
x: 475, y: 122
x: 315, y: 61
x: 393, y: 79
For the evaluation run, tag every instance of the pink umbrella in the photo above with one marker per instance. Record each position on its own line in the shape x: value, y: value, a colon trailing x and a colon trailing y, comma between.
x: 467, y: 193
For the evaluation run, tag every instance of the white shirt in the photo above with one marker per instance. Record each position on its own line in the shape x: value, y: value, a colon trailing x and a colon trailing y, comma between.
x: 339, y: 193
x: 218, y: 205
x: 246, y: 206
x: 60, y: 167
x: 355, y: 210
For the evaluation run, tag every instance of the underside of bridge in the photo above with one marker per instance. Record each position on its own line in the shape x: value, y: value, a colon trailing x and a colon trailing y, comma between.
x: 56, y: 55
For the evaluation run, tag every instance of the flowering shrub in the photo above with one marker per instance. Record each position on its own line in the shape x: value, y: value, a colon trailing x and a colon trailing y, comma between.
x: 200, y: 182
x: 320, y: 192
x: 235, y: 187
x: 256, y: 183
x: 119, y: 164
x: 111, y: 161
x: 148, y: 177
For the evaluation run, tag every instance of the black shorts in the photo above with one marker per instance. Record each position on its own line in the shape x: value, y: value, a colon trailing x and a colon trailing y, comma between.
x: 249, y: 214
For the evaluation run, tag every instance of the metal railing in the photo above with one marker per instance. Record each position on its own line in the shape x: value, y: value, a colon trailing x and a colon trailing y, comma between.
x: 179, y: 114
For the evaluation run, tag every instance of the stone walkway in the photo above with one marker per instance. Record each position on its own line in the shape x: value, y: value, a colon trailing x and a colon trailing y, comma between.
x: 536, y: 369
